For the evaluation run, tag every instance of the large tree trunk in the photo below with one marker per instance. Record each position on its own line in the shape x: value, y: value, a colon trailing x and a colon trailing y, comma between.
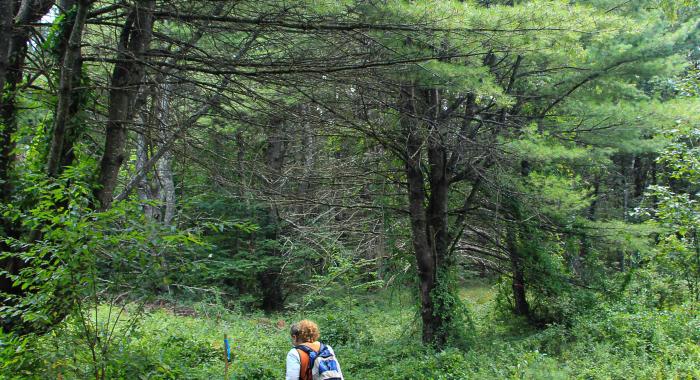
x: 514, y: 233
x: 12, y: 60
x: 14, y: 31
x: 8, y: 74
x: 437, y: 218
x: 425, y: 259
x: 64, y: 130
x: 429, y: 224
x: 127, y: 77
x: 7, y: 11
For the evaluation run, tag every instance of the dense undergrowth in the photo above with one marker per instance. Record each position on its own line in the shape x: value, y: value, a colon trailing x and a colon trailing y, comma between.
x: 375, y: 337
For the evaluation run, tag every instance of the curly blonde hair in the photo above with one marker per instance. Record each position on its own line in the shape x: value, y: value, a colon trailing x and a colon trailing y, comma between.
x: 305, y: 331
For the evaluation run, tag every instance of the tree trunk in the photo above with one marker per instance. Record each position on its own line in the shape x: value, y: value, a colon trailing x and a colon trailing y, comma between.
x: 127, y: 77
x: 513, y: 236
x: 10, y: 73
x: 164, y: 168
x: 13, y: 51
x: 7, y: 11
x: 143, y: 188
x: 521, y: 307
x: 64, y: 133
x: 14, y: 56
x: 429, y: 223
x: 240, y: 157
x: 14, y: 31
x: 425, y: 259
x: 437, y: 217
x: 167, y: 186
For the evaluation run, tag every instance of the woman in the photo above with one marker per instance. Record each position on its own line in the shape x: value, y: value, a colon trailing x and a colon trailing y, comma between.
x: 307, y: 351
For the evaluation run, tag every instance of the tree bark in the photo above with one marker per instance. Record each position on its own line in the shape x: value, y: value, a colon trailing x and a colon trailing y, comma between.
x: 428, y: 211
x: 14, y: 19
x: 143, y: 188
x: 164, y: 166
x: 167, y: 187
x: 64, y: 133
x: 127, y: 77
x: 7, y: 11
x: 514, y: 233
x: 521, y: 306
x: 12, y: 61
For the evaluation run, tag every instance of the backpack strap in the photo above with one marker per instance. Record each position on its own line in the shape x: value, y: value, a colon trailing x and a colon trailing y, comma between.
x: 306, y: 366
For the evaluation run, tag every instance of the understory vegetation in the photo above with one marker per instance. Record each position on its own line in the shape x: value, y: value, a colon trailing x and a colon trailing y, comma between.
x: 374, y: 335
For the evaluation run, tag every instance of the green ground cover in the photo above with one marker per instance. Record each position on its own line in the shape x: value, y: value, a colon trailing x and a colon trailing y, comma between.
x: 375, y: 337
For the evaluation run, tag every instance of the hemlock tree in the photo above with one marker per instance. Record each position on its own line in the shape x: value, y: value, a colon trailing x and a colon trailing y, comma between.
x: 455, y: 122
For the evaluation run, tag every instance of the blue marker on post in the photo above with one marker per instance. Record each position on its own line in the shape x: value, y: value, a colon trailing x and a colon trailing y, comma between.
x: 228, y: 349
x: 227, y: 353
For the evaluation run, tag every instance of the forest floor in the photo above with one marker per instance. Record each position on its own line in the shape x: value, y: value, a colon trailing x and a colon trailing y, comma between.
x: 375, y: 336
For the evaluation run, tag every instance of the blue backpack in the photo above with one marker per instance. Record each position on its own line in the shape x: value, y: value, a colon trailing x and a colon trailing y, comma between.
x: 322, y: 364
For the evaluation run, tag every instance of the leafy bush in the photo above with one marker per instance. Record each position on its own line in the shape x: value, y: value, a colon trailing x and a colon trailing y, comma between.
x: 343, y: 328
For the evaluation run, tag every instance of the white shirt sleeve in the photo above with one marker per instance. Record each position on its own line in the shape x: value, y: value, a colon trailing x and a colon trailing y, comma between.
x: 293, y: 365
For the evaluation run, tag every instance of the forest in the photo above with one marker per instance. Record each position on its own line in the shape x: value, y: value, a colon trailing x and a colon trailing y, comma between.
x: 475, y: 189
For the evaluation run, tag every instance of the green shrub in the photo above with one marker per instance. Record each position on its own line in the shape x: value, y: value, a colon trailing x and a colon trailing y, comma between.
x: 340, y: 328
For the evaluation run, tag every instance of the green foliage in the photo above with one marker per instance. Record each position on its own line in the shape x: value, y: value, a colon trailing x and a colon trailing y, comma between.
x: 66, y: 265
x: 243, y: 242
x: 676, y: 210
x: 67, y: 274
x: 449, y: 306
x: 614, y: 341
x: 345, y: 327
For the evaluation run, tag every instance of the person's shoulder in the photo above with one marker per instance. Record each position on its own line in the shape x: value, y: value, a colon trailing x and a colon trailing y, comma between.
x: 293, y: 352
